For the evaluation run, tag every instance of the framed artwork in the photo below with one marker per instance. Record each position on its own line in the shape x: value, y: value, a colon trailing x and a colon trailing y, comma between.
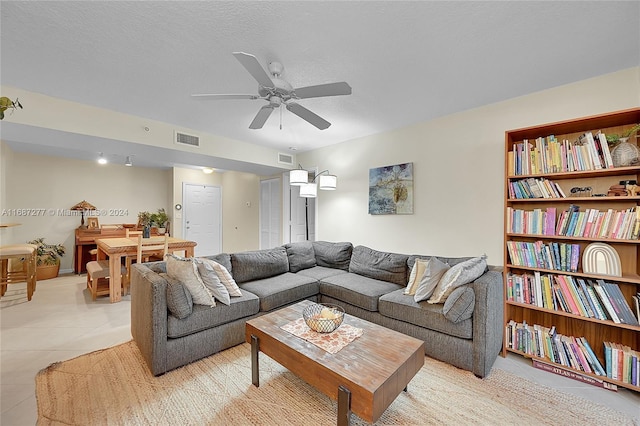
x: 92, y: 223
x: 391, y: 189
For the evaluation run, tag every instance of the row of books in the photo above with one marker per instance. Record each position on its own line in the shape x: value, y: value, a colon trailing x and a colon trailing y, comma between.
x: 535, y: 188
x: 622, y: 363
x: 554, y: 256
x: 546, y: 343
x: 583, y: 297
x: 549, y: 155
x: 591, y: 223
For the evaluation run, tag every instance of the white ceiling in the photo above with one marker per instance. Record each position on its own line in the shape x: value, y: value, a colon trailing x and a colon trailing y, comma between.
x: 406, y: 62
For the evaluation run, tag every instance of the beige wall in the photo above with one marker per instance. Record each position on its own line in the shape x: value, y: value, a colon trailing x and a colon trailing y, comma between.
x: 54, y: 184
x: 239, y: 220
x: 458, y: 171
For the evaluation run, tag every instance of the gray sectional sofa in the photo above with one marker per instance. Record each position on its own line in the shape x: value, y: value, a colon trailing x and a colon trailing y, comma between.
x: 171, y: 331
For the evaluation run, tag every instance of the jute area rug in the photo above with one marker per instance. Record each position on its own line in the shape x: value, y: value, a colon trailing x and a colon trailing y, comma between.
x: 113, y: 386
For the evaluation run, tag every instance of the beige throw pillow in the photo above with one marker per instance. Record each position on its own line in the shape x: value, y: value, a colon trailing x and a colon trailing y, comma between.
x: 460, y: 274
x: 225, y: 277
x: 212, y: 282
x: 416, y: 275
x: 434, y: 270
x: 185, y: 270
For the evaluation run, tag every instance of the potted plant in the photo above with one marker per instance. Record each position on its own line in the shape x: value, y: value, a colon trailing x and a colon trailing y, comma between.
x: 614, y: 139
x: 160, y: 220
x: 144, y: 221
x: 48, y: 262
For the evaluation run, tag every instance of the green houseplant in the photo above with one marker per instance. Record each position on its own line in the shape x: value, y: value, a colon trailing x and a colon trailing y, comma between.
x: 144, y: 221
x: 160, y: 220
x: 48, y: 261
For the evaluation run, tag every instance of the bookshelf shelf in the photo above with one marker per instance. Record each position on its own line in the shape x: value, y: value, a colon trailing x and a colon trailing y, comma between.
x: 562, y: 146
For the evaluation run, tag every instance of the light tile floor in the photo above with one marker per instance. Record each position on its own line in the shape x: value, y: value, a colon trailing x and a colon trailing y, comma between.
x: 61, y: 322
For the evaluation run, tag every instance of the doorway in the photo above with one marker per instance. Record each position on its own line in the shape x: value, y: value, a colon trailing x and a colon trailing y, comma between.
x: 203, y: 217
x: 302, y: 214
x: 270, y: 213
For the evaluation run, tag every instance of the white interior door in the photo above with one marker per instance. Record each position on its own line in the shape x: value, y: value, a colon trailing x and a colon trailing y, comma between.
x: 270, y: 213
x: 302, y: 217
x: 202, y: 213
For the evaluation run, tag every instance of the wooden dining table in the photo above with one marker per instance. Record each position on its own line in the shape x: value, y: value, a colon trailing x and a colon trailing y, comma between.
x: 117, y: 248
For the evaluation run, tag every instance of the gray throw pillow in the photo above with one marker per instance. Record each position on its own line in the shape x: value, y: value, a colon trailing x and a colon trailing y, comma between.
x: 185, y: 270
x: 459, y: 305
x: 434, y: 270
x: 460, y: 274
x: 301, y: 255
x: 179, y: 301
x: 212, y: 282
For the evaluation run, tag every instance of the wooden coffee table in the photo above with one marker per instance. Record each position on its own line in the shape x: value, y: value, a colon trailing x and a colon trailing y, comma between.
x: 365, y: 377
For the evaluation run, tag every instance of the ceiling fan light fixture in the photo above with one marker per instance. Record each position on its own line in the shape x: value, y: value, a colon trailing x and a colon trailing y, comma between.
x: 298, y: 177
x: 328, y: 182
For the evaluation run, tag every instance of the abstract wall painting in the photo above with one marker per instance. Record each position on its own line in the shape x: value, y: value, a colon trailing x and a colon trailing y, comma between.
x: 391, y: 189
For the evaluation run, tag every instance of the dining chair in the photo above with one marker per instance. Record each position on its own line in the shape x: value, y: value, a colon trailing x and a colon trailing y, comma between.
x: 146, y: 250
x: 98, y: 278
x: 27, y: 254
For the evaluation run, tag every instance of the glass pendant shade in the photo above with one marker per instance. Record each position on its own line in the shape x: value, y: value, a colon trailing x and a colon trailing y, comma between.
x: 308, y: 190
x: 328, y: 182
x: 298, y: 177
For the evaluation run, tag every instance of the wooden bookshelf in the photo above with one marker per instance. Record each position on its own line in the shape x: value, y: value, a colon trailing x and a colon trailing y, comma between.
x: 596, y: 331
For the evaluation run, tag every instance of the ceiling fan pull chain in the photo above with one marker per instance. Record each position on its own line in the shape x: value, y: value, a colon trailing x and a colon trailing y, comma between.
x: 280, y: 117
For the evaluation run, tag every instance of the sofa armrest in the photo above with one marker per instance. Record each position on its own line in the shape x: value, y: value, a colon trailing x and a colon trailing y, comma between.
x: 487, y: 321
x: 149, y: 316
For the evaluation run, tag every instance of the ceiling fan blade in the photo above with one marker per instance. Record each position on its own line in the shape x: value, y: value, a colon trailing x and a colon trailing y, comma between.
x: 252, y: 65
x: 223, y: 96
x: 307, y: 115
x: 329, y: 89
x: 261, y: 117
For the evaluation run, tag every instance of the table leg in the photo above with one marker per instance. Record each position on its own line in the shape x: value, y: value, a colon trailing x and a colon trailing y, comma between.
x: 344, y: 406
x: 115, y: 280
x: 255, y: 349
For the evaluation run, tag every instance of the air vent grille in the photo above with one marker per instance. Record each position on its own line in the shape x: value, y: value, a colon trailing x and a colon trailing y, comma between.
x: 187, y: 139
x: 285, y: 158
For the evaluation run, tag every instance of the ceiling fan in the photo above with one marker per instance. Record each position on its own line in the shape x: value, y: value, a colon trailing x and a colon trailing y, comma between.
x: 279, y: 92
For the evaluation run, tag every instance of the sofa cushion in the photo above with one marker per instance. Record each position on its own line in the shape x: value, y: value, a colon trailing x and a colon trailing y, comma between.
x: 321, y: 272
x: 210, y: 279
x: 459, y: 274
x: 223, y: 258
x: 224, y: 276
x: 459, y: 305
x: 333, y: 255
x: 281, y: 290
x: 400, y: 306
x: 379, y: 265
x: 301, y: 255
x: 179, y: 301
x: 433, y: 272
x: 185, y: 270
x: 204, y: 317
x: 258, y: 264
x: 356, y: 290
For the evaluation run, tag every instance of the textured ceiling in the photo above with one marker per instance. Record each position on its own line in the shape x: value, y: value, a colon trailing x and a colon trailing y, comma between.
x: 406, y: 62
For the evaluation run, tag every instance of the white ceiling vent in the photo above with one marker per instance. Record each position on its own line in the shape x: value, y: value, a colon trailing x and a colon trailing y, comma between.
x: 285, y: 158
x: 187, y: 139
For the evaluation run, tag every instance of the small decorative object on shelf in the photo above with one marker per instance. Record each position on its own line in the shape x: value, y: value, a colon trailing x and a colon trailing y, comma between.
x: 572, y: 265
x: 323, y: 318
x: 601, y: 259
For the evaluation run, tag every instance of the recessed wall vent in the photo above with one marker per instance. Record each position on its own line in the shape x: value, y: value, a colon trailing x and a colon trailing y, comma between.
x: 285, y: 158
x: 187, y: 139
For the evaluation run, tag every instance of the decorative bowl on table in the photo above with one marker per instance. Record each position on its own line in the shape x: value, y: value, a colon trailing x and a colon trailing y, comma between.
x: 323, y: 318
